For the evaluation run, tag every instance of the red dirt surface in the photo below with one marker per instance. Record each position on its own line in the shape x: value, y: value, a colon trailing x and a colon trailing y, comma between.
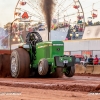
x: 76, y: 83
x: 5, y: 65
x: 86, y: 74
x: 12, y: 93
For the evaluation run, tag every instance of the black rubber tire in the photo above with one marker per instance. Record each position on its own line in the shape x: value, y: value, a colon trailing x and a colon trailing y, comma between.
x: 58, y: 73
x: 43, y: 67
x: 70, y: 71
x: 22, y: 60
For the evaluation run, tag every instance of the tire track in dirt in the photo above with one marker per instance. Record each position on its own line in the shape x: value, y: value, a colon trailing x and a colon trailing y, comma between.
x: 68, y: 84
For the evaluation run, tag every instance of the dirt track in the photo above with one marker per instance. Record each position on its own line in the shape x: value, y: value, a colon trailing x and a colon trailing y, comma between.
x: 76, y: 83
x: 75, y: 88
x: 11, y: 93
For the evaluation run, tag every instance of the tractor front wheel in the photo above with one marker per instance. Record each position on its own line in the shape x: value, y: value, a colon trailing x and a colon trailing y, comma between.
x: 43, y: 67
x: 70, y: 71
x: 20, y: 62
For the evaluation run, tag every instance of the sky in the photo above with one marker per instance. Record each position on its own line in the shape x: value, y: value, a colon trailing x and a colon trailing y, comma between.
x: 87, y: 7
x: 7, y: 8
x: 7, y: 11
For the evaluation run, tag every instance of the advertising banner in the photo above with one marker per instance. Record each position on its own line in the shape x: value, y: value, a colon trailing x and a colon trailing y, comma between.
x: 86, y: 53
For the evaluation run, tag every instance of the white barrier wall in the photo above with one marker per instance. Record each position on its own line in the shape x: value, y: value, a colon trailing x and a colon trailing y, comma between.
x: 75, y: 52
x: 78, y: 45
x: 90, y: 42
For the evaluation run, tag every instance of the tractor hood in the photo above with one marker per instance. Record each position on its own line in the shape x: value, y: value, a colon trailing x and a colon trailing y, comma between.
x: 53, y: 43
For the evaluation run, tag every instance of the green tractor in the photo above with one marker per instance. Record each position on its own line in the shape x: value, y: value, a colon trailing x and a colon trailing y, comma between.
x: 42, y: 59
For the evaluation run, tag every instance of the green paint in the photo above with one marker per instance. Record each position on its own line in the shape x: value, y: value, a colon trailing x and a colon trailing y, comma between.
x: 68, y: 58
x: 48, y: 50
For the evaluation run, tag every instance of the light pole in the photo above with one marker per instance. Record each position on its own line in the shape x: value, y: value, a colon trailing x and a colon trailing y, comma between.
x: 58, y: 19
x: 11, y: 31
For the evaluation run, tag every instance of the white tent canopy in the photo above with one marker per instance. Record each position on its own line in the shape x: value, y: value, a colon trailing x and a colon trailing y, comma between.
x: 91, y: 32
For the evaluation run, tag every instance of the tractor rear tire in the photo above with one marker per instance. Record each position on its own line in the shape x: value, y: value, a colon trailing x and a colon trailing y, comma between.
x: 58, y: 73
x: 70, y: 71
x: 43, y: 67
x: 20, y: 63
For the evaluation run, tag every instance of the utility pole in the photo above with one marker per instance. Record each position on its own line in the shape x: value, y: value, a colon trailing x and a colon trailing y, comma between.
x: 58, y: 19
x: 64, y: 20
x: 11, y: 32
x: 24, y: 33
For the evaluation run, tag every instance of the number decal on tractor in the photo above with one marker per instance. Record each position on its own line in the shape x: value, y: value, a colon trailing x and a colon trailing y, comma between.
x: 65, y: 61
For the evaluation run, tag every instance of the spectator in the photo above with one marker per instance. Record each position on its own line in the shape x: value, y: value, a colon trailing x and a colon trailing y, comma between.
x: 85, y: 58
x: 90, y: 60
x: 77, y: 28
x: 96, y: 60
